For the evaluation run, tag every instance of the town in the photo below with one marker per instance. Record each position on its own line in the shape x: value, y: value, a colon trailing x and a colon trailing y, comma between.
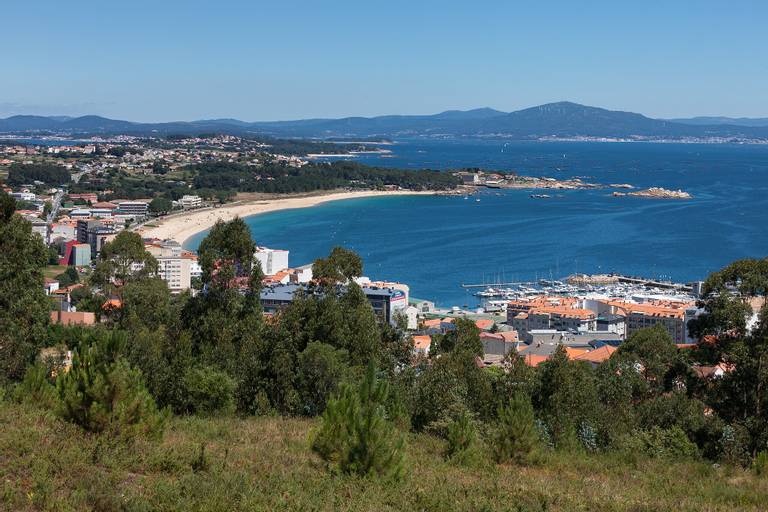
x: 77, y: 225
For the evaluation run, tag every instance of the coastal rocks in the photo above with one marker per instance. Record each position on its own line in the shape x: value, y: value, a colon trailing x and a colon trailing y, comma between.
x: 656, y: 193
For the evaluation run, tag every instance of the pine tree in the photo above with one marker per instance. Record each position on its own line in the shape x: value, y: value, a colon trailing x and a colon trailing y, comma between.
x: 357, y: 435
x: 515, y: 437
x: 103, y: 393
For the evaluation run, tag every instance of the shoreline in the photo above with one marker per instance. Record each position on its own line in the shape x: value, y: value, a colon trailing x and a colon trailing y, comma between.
x: 182, y: 226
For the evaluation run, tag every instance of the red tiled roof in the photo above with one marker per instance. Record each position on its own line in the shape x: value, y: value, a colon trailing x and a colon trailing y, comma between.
x: 598, y: 355
x: 422, y: 342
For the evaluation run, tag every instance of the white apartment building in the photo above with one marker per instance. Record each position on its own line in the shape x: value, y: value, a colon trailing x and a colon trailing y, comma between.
x: 172, y: 267
x: 188, y: 202
x: 272, y: 260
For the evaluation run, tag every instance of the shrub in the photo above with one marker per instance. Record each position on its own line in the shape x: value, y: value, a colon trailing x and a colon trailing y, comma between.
x: 461, y: 435
x: 760, y: 464
x: 670, y: 443
x: 103, y: 393
x: 321, y: 369
x: 732, y: 445
x: 515, y: 437
x: 356, y: 433
x: 209, y: 391
x: 36, y: 387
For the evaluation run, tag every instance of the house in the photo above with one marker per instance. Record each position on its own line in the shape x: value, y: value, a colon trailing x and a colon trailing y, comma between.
x: 51, y: 285
x: 73, y: 317
x: 534, y: 360
x: 498, y: 344
x: 301, y: 275
x: 386, y: 302
x: 281, y: 277
x: 423, y: 306
x: 421, y: 344
x: 485, y: 324
x: 549, y: 313
x: 712, y: 372
x: 596, y: 356
x: 671, y: 315
x: 432, y: 326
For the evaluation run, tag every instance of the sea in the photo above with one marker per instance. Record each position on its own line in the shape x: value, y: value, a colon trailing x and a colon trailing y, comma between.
x: 437, y: 243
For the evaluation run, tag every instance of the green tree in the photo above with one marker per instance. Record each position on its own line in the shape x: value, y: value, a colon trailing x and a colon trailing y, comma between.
x: 566, y: 396
x: 654, y: 354
x: 356, y: 434
x: 24, y: 308
x: 68, y: 277
x: 227, y: 254
x: 465, y: 337
x: 103, y: 393
x: 122, y: 261
x: 461, y: 437
x: 340, y: 266
x: 147, y: 303
x: 210, y: 391
x: 515, y: 437
x: 322, y: 369
x: 160, y: 206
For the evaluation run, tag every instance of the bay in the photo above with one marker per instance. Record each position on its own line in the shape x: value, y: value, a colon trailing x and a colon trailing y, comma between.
x: 435, y: 244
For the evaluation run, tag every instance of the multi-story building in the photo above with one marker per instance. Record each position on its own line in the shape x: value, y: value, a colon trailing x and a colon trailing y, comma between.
x: 272, y: 260
x: 673, y: 316
x: 188, y: 202
x: 95, y: 233
x: 39, y: 226
x: 549, y: 313
x: 23, y: 196
x: 173, y: 264
x: 132, y: 208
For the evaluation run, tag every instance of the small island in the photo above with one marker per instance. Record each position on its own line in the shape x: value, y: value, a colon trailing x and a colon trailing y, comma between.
x: 656, y: 193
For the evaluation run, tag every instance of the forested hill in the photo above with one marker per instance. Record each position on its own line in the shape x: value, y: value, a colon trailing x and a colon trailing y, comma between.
x: 562, y: 119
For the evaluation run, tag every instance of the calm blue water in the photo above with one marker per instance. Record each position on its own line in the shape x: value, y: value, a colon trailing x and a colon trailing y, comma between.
x: 436, y: 243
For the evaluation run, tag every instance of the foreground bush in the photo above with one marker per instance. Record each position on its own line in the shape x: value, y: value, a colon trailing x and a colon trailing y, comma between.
x: 104, y: 394
x: 210, y: 391
x: 356, y: 433
x: 672, y: 443
x: 36, y: 388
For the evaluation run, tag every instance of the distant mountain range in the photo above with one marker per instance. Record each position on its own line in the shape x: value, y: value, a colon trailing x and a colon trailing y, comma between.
x: 562, y: 119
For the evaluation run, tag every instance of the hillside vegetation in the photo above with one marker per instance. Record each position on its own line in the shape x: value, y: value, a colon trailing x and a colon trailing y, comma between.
x: 265, y: 463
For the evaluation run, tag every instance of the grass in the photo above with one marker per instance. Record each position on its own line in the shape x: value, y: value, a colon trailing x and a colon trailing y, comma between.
x: 231, y: 464
x: 51, y: 271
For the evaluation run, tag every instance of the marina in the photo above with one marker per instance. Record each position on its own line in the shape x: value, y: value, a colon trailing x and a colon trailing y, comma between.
x: 494, y: 296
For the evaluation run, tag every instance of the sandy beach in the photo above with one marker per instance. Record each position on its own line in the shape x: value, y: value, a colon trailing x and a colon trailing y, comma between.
x: 181, y: 226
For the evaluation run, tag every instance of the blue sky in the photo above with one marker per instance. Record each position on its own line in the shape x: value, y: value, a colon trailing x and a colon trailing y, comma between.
x: 253, y: 60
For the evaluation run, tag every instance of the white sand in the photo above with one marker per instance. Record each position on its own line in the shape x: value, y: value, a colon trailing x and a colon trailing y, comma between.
x: 181, y: 226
